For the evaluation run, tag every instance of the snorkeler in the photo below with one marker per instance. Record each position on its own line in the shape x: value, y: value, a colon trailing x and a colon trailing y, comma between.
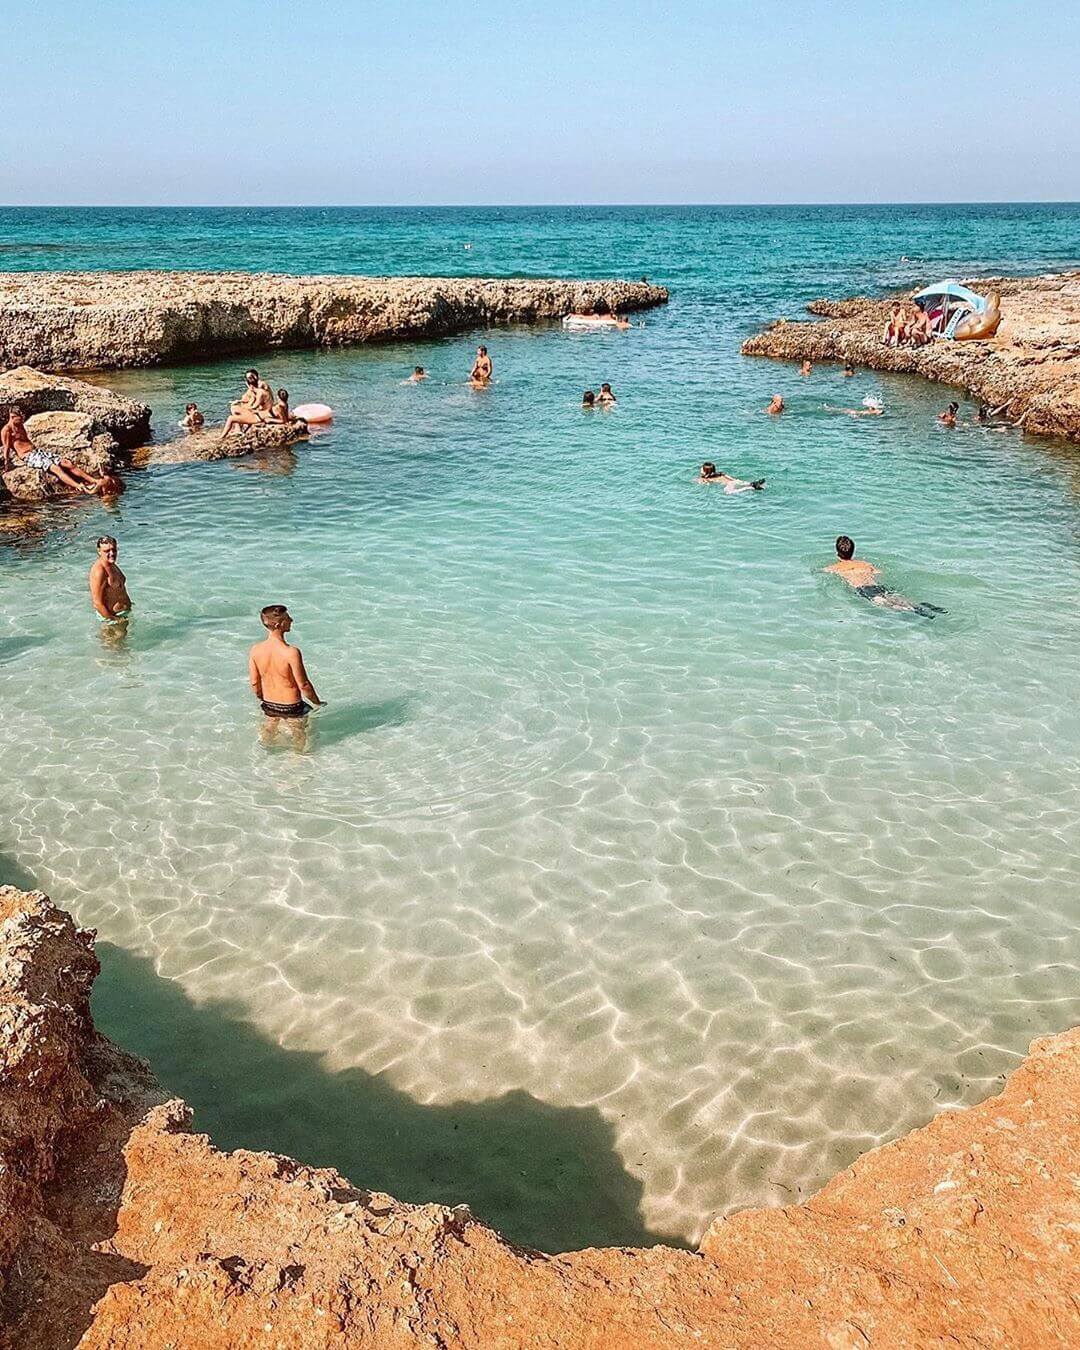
x: 862, y: 577
x: 709, y: 474
x: 108, y: 585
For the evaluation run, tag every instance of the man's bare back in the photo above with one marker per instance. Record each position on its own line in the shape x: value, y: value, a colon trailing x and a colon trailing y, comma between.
x: 855, y: 571
x: 276, y: 671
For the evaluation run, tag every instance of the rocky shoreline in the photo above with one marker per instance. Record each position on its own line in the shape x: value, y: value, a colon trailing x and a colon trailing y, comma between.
x: 1031, y: 368
x: 119, y: 1228
x: 113, y: 320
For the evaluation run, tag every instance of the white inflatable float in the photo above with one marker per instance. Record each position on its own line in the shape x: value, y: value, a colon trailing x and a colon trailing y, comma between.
x: 590, y: 321
x: 314, y: 413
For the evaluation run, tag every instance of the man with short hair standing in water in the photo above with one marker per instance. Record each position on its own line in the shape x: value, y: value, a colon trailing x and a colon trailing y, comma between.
x: 108, y: 585
x: 278, y: 677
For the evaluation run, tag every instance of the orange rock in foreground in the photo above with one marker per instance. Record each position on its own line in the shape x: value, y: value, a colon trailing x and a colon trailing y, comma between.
x: 120, y: 1229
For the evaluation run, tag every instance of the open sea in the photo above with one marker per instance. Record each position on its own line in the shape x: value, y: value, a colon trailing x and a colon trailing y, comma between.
x: 636, y: 872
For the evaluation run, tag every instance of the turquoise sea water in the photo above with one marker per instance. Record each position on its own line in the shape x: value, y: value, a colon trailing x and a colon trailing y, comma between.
x: 636, y: 872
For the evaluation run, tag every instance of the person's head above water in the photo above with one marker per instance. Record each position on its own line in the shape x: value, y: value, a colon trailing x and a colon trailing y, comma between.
x: 276, y: 618
x: 588, y: 398
x: 605, y: 388
x: 849, y: 369
x: 953, y: 408
x: 708, y: 469
x: 191, y: 407
x: 845, y: 548
x: 481, y: 351
x: 419, y: 370
x: 107, y: 547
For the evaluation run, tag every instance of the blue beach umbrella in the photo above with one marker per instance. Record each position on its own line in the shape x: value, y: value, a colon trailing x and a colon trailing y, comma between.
x: 952, y: 301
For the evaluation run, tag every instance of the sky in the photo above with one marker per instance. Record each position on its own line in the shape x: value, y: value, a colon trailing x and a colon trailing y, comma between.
x: 425, y: 102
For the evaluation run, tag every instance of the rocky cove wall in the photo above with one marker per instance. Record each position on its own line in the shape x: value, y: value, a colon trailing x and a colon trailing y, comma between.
x: 109, y: 320
x: 121, y: 1229
x: 1031, y: 368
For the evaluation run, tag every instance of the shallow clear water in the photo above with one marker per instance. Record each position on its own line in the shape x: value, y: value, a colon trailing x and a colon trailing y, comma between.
x: 636, y: 871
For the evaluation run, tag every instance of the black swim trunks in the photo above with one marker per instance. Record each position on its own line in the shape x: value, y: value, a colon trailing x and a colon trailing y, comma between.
x: 297, y: 709
x: 871, y: 592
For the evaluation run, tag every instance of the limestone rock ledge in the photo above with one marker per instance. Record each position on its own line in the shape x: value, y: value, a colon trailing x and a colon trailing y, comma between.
x: 120, y: 1229
x: 1032, y: 365
x: 206, y: 445
x: 107, y: 320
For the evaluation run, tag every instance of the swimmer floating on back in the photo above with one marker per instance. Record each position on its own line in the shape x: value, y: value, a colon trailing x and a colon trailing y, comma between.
x: 709, y: 474
x: 872, y: 407
x: 862, y: 577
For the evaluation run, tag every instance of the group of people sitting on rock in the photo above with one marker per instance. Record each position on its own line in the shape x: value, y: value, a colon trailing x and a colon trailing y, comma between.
x: 255, y: 407
x: 913, y: 327
x: 19, y: 451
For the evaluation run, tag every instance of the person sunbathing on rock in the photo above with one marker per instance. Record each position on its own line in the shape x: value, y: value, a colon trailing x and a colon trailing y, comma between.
x: 257, y: 412
x: 247, y: 398
x: 895, y: 327
x: 17, y: 445
x: 730, y: 485
x: 108, y: 585
x: 281, y: 407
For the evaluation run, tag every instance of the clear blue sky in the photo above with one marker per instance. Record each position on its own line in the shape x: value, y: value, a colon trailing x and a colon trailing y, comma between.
x: 228, y: 101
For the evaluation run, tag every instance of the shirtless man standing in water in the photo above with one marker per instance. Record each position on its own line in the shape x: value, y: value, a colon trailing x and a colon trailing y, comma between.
x: 278, y: 677
x: 108, y: 585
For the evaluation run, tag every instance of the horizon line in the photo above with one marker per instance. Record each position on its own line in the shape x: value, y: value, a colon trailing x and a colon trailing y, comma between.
x: 504, y: 206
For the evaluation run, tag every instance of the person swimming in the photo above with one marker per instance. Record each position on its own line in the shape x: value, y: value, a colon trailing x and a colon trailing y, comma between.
x: 605, y: 397
x: 776, y: 406
x: 730, y: 485
x: 805, y: 368
x: 872, y: 407
x: 193, y: 418
x: 948, y: 417
x: 588, y: 399
x: 849, y: 370
x: 862, y: 577
x: 419, y: 373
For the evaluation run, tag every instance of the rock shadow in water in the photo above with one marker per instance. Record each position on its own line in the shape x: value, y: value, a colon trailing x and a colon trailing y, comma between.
x: 545, y: 1176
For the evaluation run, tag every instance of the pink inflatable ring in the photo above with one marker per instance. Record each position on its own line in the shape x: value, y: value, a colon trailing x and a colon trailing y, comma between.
x: 314, y: 412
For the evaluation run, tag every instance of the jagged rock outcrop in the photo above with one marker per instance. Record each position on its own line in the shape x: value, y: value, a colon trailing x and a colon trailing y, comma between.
x: 1031, y: 367
x: 78, y: 320
x: 89, y: 425
x: 120, y: 1230
x: 206, y: 445
x: 123, y: 419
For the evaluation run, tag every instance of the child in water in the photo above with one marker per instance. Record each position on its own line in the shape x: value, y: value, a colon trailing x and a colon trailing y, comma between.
x: 193, y: 418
